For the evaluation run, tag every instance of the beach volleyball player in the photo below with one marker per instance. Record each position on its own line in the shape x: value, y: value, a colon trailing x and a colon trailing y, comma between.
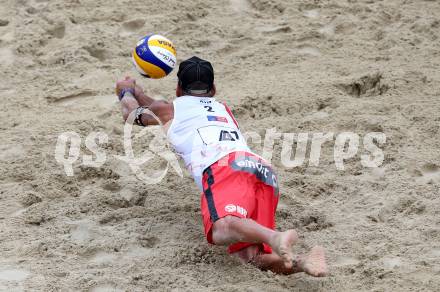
x: 239, y: 189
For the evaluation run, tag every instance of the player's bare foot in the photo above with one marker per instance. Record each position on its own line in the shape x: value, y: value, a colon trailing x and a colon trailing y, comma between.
x: 282, y: 245
x: 314, y: 263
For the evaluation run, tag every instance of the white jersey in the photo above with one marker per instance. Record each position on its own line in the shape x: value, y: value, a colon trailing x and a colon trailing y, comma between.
x: 202, y: 132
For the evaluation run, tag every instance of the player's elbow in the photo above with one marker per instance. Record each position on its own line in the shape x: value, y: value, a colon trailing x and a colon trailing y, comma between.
x: 162, y: 112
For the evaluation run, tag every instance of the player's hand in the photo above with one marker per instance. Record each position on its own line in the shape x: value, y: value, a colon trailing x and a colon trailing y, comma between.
x: 126, y: 83
x: 138, y: 91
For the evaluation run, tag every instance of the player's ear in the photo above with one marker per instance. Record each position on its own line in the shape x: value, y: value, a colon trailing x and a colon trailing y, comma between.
x: 213, y: 90
x: 179, y: 91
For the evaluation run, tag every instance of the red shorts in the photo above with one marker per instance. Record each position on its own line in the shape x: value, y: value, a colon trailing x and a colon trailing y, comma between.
x: 242, y: 185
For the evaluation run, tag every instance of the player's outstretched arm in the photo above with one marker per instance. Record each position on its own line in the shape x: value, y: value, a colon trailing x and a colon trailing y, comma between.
x: 128, y: 102
x: 127, y: 92
x: 162, y: 110
x: 141, y: 97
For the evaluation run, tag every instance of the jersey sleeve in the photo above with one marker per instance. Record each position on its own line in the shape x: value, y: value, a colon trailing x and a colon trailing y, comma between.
x: 231, y: 115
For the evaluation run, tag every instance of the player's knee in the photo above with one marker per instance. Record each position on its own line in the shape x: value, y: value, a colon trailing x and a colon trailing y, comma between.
x: 222, y: 229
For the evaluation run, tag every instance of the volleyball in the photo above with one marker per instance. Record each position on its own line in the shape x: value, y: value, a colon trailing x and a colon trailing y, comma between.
x: 154, y: 56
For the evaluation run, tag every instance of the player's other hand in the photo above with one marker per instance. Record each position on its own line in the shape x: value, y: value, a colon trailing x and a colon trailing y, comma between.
x: 126, y: 83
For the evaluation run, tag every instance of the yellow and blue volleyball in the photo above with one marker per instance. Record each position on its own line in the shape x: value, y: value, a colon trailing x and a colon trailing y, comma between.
x: 154, y: 56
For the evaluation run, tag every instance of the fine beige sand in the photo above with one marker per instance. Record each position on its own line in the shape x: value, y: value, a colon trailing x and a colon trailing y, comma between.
x: 300, y: 66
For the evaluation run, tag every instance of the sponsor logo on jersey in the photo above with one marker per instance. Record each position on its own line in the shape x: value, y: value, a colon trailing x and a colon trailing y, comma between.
x: 217, y: 119
x: 255, y: 166
x: 231, y: 208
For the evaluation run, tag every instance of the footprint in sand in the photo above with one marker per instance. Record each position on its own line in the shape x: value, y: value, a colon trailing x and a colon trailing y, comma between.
x: 98, y: 53
x: 71, y: 98
x: 133, y: 25
x: 428, y: 174
x: 84, y: 99
x: 371, y: 84
x: 58, y: 31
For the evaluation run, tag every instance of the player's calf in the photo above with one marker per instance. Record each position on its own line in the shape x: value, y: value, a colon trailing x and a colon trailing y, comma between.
x: 223, y: 232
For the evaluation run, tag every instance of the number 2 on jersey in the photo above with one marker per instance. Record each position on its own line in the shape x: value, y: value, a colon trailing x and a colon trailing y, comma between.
x: 209, y: 108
